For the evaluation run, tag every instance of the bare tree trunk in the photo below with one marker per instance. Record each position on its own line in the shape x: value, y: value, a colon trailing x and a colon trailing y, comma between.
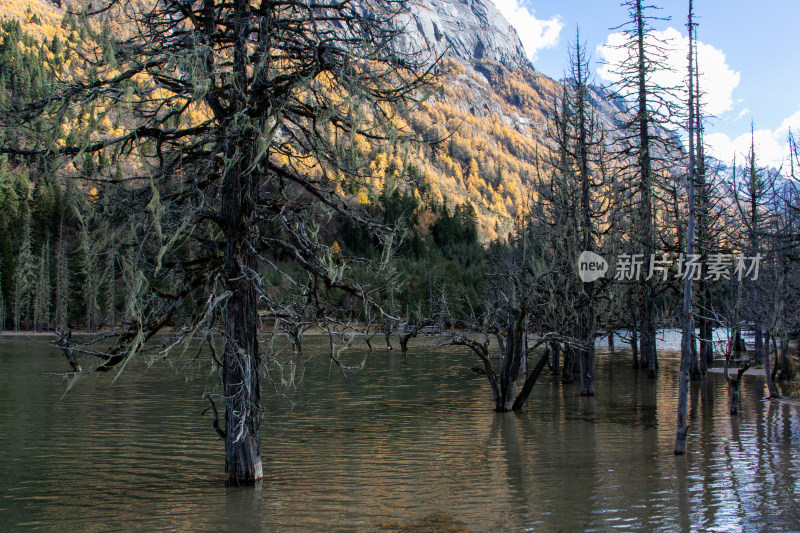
x: 242, y: 387
x: 242, y: 360
x: 702, y: 356
x: 786, y: 368
x: 568, y: 375
x: 522, y: 400
x: 648, y: 333
x: 503, y: 389
x: 404, y: 343
x: 688, y: 354
x: 524, y: 368
x: 759, y: 345
x: 696, y: 374
x: 387, y: 334
x: 652, y: 362
x: 586, y: 352
x: 411, y: 333
x: 556, y: 351
x: 709, y: 338
x: 586, y: 361
x: 294, y: 334
x: 635, y: 348
x: 777, y: 351
x: 738, y: 342
x: 511, y: 364
x: 735, y: 384
x: 482, y: 350
x: 706, y: 345
x: 500, y: 342
x: 368, y: 336
x: 64, y: 341
x: 587, y: 324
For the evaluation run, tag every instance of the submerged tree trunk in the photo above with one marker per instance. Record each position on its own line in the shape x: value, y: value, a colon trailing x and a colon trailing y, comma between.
x: 408, y: 334
x: 734, y: 396
x: 242, y: 360
x: 64, y: 342
x: 504, y: 386
x: 522, y: 400
x: 648, y: 357
x: 242, y: 391
x: 643, y: 352
x: 511, y: 364
x: 568, y: 374
x: 404, y: 338
x: 683, y: 412
x: 556, y: 353
x: 586, y: 354
x: 587, y: 370
x: 635, y: 348
x: 773, y: 391
x: 387, y: 335
x: 735, y: 384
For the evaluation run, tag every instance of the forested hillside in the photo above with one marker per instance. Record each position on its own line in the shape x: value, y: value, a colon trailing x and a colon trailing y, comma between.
x: 482, y: 132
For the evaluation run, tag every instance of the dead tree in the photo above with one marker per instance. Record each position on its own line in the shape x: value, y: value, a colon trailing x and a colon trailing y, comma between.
x: 504, y: 384
x: 387, y: 334
x: 65, y: 343
x: 409, y: 332
x: 645, y: 151
x: 687, y: 318
x: 238, y: 120
x: 734, y: 384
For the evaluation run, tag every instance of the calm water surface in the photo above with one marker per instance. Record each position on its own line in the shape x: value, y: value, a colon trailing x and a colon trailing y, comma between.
x: 406, y: 444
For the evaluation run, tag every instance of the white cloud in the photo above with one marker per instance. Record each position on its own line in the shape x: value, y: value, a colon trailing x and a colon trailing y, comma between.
x: 717, y: 83
x: 742, y: 113
x: 769, y: 151
x: 535, y: 34
x: 793, y: 123
x: 717, y: 78
x: 772, y: 147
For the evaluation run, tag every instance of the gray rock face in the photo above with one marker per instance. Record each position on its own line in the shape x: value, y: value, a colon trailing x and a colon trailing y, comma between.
x: 467, y: 29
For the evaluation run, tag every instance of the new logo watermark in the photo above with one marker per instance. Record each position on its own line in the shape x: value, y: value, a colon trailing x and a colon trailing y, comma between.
x: 631, y: 267
x: 591, y: 266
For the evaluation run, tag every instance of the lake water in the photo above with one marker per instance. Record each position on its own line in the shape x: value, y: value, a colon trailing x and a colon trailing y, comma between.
x: 407, y: 444
x: 668, y: 339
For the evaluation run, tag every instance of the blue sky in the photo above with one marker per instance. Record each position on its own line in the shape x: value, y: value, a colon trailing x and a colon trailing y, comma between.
x: 748, y: 53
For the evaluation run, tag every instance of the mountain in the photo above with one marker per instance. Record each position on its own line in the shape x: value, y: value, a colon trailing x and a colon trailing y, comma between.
x: 494, y: 104
x: 469, y: 30
x: 486, y: 122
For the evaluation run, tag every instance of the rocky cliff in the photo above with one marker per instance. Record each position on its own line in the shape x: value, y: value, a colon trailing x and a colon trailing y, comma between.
x: 470, y: 30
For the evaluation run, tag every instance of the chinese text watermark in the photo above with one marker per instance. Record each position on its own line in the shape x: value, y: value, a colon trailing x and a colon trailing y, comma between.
x: 632, y: 267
